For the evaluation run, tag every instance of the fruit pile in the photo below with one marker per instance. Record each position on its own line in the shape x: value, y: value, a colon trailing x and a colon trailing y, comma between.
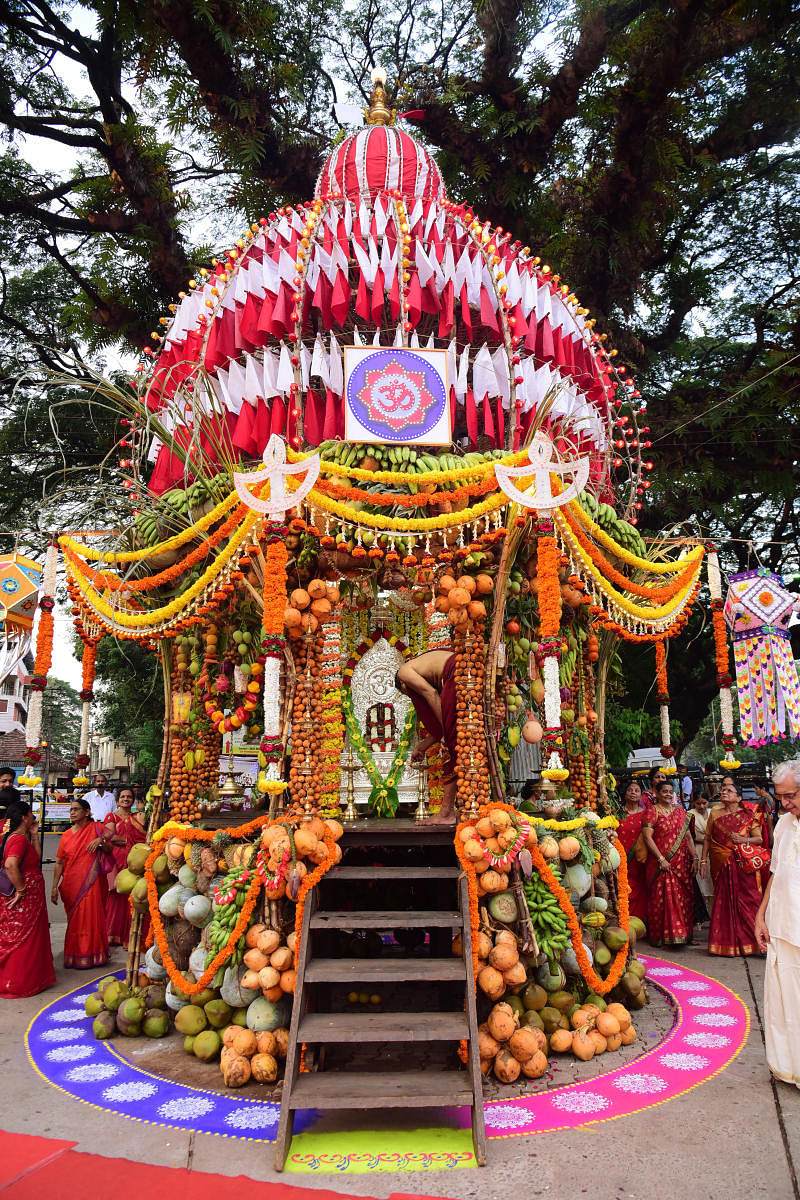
x: 308, y: 607
x: 472, y: 770
x: 508, y: 1048
x: 137, y: 1012
x: 461, y: 598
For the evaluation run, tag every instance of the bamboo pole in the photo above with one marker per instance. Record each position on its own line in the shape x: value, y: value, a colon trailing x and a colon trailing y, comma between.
x: 135, y: 937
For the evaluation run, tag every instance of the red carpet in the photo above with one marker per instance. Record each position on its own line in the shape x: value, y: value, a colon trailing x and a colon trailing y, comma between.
x: 34, y: 1167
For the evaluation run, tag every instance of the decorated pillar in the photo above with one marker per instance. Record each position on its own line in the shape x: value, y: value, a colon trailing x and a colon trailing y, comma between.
x: 551, y: 646
x: 273, y: 647
x: 724, y: 680
x: 662, y: 695
x: 42, y: 662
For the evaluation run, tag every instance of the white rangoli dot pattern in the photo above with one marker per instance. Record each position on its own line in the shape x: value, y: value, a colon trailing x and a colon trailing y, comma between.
x: 708, y: 1001
x: 255, y: 1117
x: 640, y: 1084
x: 719, y: 1020
x: 70, y: 1053
x: 127, y: 1093
x: 92, y: 1073
x: 507, y: 1116
x: 581, y: 1102
x: 68, y: 1014
x: 685, y: 1062
x: 185, y: 1109
x: 689, y: 985
x: 70, y: 1034
x: 707, y: 1041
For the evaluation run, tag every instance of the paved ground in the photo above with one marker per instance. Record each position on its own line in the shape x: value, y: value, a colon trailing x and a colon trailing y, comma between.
x: 738, y: 1134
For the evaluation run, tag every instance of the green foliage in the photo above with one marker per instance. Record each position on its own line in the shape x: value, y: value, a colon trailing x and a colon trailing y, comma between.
x: 61, y: 718
x: 130, y: 703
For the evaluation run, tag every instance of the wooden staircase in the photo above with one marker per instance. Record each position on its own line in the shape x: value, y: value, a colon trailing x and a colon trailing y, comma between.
x: 438, y: 1008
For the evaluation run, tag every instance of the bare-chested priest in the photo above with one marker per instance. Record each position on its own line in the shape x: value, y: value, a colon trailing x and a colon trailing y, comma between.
x: 429, y: 682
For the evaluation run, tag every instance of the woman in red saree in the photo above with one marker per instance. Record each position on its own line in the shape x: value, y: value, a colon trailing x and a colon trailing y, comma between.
x: 81, y: 880
x: 668, y: 834
x: 122, y: 830
x: 737, y: 892
x: 26, y: 960
x: 629, y: 833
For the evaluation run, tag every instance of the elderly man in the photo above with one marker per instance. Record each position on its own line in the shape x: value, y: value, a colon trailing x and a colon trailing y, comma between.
x: 777, y: 929
x: 100, y: 800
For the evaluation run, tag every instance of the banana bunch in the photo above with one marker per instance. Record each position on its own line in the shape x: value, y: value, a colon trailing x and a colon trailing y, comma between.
x: 225, y: 916
x: 549, y: 922
x: 566, y: 666
x: 145, y: 529
x: 604, y: 516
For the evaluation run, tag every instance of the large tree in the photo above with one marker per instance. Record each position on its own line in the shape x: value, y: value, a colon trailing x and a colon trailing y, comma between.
x: 649, y: 151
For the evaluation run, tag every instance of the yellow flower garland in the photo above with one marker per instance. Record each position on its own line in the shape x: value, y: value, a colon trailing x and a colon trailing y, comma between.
x: 633, y: 610
x: 575, y: 823
x: 404, y: 524
x: 633, y: 560
x: 143, y: 620
x: 173, y: 543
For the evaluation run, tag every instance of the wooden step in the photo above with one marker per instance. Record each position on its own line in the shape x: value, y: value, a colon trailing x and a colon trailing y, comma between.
x: 381, y: 1089
x: 383, y: 970
x: 380, y: 872
x: 386, y: 920
x: 383, y: 1027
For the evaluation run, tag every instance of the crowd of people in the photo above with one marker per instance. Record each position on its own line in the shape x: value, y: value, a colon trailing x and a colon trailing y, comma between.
x: 103, y: 828
x: 696, y: 857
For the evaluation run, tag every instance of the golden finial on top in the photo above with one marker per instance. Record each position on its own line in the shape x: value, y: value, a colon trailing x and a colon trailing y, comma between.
x: 378, y: 111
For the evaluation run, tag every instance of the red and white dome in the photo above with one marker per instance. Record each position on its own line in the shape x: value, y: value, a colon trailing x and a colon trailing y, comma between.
x: 377, y: 159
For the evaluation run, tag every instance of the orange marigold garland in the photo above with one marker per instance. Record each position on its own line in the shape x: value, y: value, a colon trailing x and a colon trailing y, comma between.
x: 663, y: 696
x: 310, y: 880
x: 273, y: 648
x: 44, y: 656
x: 724, y: 679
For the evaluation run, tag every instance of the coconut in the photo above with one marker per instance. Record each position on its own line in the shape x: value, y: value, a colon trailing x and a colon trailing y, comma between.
x: 579, y: 1018
x: 282, y: 959
x: 524, y: 1043
x: 491, y: 982
x: 93, y: 1005
x: 232, y: 992
x: 235, y: 1072
x: 487, y: 1045
x: 560, y: 1041
x: 578, y: 879
x: 549, y: 847
x: 593, y: 903
x: 502, y: 906
x: 168, y: 904
x: 268, y: 941
x: 563, y: 1001
x: 190, y: 1020
x: 503, y: 957
x: 535, y: 1066
x: 615, y: 938
x: 207, y: 1045
x: 139, y: 896
x: 506, y: 1067
x: 264, y: 1068
x: 154, y: 968
x: 197, y: 911
x: 551, y: 977
x: 197, y: 960
x: 622, y: 1015
x: 104, y: 1025
x: 125, y: 882
x: 484, y: 945
x: 551, y: 1018
x: 607, y: 1024
x: 218, y: 1013
x: 155, y: 1023
x: 473, y: 850
x: 628, y: 1036
x: 154, y: 996
x: 583, y: 1046
x: 115, y: 993
x: 531, y: 1019
x: 600, y: 1043
x: 516, y: 976
x: 137, y: 857
x: 174, y: 1001
x: 534, y: 997
x: 501, y: 1022
x: 264, y: 1014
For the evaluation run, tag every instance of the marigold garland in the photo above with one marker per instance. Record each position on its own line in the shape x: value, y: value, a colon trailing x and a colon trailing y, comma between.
x: 549, y: 594
x: 368, y: 520
x: 149, y: 582
x: 575, y: 823
x: 310, y: 880
x: 420, y: 500
x: 656, y: 594
x: 720, y: 644
x: 405, y: 477
x: 44, y: 645
x: 598, y: 985
x: 661, y: 672
x: 219, y: 960
x: 179, y: 539
x: 695, y: 555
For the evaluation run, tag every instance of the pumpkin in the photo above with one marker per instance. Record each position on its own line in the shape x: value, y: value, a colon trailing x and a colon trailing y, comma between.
x: 536, y: 1065
x: 506, y: 1067
x: 491, y: 982
x: 235, y: 1072
x: 264, y: 1068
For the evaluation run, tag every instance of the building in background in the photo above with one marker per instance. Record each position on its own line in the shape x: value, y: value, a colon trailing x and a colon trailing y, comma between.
x: 14, y: 697
x: 111, y: 758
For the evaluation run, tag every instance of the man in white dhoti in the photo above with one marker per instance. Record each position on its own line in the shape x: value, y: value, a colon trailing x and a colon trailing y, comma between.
x: 777, y: 929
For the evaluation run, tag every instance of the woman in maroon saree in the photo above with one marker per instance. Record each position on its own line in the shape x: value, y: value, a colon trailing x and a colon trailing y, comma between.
x: 737, y: 893
x: 81, y: 880
x: 629, y: 833
x: 123, y: 830
x: 669, y: 836
x: 26, y: 960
